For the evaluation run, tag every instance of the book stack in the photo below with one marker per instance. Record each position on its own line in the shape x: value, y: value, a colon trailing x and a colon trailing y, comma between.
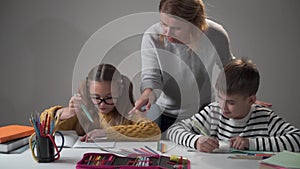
x: 14, y: 138
x: 282, y: 160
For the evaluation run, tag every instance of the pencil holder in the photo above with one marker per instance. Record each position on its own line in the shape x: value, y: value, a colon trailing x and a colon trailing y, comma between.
x: 45, y: 148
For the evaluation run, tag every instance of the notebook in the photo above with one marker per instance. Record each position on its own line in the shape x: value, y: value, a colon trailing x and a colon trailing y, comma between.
x: 72, y: 140
x: 285, y: 159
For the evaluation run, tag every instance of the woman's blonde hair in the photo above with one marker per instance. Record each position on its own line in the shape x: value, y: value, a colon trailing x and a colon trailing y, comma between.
x: 192, y: 11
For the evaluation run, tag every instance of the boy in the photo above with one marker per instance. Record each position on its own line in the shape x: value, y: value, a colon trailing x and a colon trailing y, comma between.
x: 236, y: 117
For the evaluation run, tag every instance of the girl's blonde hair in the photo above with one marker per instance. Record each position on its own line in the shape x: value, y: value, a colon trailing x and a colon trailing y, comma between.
x: 118, y: 116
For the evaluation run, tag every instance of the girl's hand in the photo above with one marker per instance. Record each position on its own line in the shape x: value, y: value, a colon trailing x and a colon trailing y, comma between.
x: 73, y: 106
x: 239, y: 143
x: 96, y: 133
x: 207, y: 144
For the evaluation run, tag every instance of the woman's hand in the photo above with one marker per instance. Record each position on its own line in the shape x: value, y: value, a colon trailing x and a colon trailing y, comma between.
x: 137, y: 115
x: 207, y: 144
x: 147, y: 98
x: 239, y: 143
x: 96, y: 133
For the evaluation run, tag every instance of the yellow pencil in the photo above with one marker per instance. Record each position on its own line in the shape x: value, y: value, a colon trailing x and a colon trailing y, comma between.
x: 199, y: 128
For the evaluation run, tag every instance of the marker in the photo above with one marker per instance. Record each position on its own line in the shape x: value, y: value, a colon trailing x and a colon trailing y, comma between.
x: 161, y: 147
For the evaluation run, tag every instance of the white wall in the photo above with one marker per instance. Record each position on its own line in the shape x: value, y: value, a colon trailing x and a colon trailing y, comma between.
x: 41, y: 39
x: 268, y: 33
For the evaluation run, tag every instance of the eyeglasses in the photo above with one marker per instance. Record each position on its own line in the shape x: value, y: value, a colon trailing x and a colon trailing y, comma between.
x: 108, y: 100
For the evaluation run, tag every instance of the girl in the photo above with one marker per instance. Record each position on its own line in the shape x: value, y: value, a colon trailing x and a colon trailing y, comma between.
x: 101, y: 109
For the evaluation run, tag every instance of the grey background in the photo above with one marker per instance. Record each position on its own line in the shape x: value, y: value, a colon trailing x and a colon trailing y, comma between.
x: 41, y: 39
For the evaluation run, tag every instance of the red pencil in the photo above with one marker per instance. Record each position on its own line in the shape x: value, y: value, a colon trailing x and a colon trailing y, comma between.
x: 45, y: 121
x: 147, y: 152
x: 49, y: 124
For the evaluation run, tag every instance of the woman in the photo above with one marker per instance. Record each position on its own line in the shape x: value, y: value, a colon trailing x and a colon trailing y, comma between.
x: 101, y: 109
x: 178, y: 59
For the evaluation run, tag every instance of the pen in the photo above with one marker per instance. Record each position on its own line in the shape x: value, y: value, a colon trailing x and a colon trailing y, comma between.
x: 199, y: 128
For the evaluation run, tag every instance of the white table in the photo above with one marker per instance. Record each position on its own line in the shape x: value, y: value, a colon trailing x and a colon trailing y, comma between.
x: 70, y: 156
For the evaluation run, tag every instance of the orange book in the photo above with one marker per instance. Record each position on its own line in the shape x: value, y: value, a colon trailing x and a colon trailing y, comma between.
x: 12, y: 132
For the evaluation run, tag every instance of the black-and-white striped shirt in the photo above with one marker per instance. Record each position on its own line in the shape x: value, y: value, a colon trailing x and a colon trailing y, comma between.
x: 266, y: 131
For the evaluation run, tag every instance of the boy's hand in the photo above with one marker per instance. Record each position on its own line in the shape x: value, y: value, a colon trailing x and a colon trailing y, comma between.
x: 207, y: 144
x: 239, y: 143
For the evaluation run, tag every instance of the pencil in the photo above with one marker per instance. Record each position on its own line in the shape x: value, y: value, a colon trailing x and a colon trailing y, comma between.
x: 248, y: 157
x: 86, y: 112
x: 169, y: 149
x: 138, y: 151
x: 199, y: 128
x: 146, y: 151
x: 151, y: 150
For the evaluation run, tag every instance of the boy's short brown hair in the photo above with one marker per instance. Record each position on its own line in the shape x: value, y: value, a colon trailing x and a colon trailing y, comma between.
x: 240, y: 77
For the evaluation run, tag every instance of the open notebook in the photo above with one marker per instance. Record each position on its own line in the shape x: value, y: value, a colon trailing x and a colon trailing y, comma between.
x: 72, y: 140
x: 224, y: 147
x: 284, y: 159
